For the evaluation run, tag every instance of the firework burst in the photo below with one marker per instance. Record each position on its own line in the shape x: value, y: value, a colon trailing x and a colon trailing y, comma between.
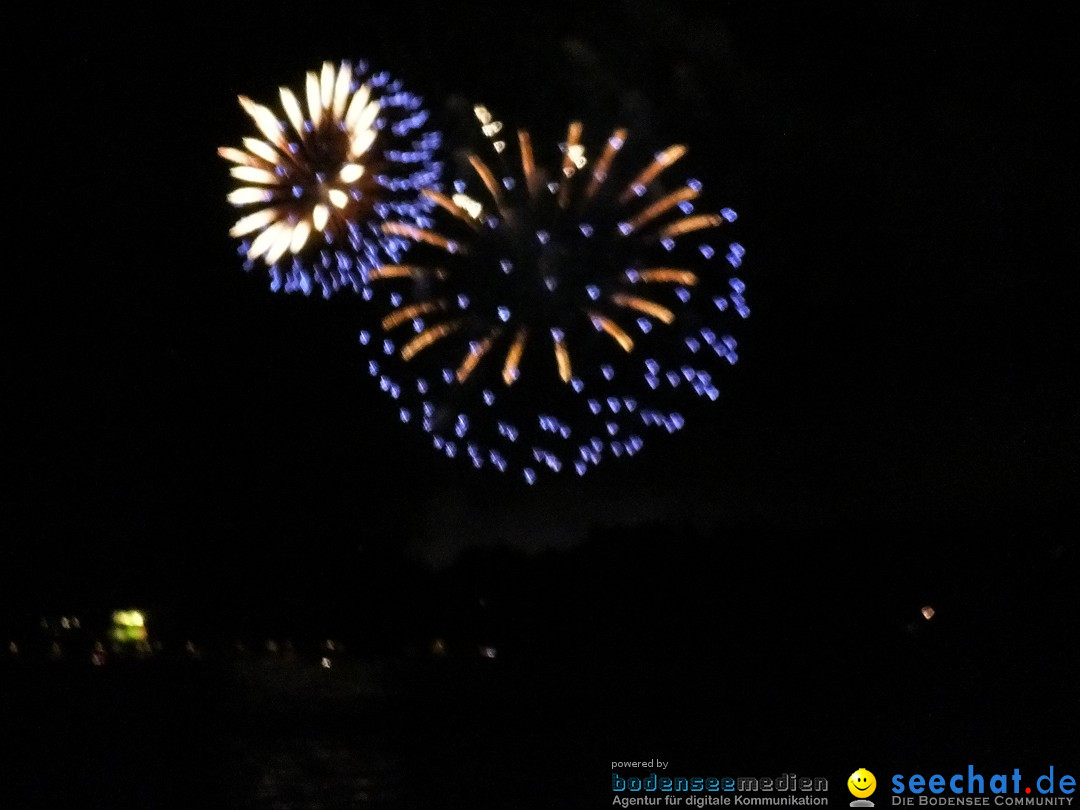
x: 558, y: 311
x: 350, y: 151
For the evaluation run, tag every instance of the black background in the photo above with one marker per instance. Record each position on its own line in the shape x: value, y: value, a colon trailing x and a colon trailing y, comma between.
x: 901, y: 428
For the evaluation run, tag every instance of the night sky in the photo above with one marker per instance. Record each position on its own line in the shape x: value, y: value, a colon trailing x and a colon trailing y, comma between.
x: 906, y: 383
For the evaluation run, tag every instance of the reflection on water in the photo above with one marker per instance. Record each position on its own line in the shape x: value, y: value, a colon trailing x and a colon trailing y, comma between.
x: 304, y: 771
x: 254, y: 734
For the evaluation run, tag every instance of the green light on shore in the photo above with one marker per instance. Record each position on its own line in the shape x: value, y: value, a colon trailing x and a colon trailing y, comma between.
x: 129, y: 626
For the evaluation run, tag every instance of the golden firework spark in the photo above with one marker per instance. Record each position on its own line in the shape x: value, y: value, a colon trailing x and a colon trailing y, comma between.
x: 568, y: 194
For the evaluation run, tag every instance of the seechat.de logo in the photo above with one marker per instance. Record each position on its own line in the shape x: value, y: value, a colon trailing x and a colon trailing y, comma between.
x: 975, y: 789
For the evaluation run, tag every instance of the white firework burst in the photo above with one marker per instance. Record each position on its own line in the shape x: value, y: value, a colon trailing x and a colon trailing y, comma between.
x: 346, y: 150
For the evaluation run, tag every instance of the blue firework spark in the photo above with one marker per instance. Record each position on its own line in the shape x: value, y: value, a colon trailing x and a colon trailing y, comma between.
x: 319, y: 183
x: 557, y: 314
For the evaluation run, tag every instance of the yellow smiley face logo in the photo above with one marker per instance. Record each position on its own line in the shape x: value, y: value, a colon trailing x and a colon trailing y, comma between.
x: 861, y: 783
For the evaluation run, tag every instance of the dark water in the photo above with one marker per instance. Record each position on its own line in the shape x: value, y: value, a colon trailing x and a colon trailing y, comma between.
x: 269, y: 735
x: 426, y: 733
